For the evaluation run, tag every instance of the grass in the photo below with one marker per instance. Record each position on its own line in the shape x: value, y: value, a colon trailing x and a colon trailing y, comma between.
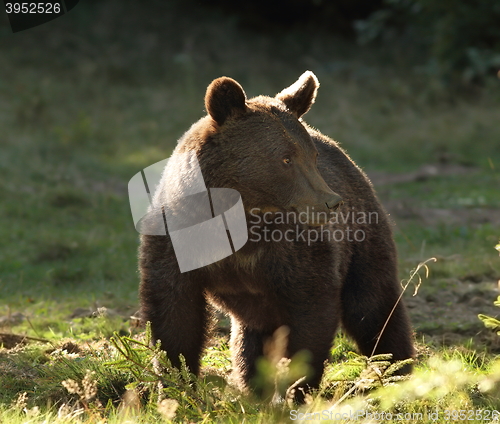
x: 88, y: 100
x: 452, y: 380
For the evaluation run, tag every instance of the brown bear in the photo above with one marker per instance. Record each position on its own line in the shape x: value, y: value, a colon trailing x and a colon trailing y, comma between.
x: 311, y: 263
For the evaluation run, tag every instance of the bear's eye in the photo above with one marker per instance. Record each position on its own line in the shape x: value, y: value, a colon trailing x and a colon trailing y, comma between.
x: 287, y: 161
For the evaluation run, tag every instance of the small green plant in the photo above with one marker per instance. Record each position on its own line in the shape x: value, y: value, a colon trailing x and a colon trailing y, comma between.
x: 153, y: 374
x: 376, y: 371
x: 490, y: 322
x: 170, y: 391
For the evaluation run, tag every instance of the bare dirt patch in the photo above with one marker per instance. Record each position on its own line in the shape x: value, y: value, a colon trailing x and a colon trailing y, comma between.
x: 447, y: 314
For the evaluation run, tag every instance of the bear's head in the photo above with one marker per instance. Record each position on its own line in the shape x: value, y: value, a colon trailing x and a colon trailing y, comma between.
x: 261, y: 148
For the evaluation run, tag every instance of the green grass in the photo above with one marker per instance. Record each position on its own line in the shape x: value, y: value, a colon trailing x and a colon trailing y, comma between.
x: 88, y: 100
x: 453, y: 379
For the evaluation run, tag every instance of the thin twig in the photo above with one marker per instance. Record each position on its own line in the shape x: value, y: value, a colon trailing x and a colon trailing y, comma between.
x: 412, y: 275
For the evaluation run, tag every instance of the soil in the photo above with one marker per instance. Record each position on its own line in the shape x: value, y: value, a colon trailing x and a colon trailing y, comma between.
x: 447, y: 314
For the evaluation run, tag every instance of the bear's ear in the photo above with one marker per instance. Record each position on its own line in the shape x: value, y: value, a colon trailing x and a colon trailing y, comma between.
x: 225, y: 98
x: 300, y: 96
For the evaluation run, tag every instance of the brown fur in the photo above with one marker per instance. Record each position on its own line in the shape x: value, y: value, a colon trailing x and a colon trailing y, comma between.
x: 311, y: 288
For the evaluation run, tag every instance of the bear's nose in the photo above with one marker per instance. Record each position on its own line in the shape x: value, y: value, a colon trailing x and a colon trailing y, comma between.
x: 334, y: 201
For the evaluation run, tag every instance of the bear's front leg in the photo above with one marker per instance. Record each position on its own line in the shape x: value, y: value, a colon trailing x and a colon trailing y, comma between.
x: 247, y: 346
x: 312, y: 330
x: 311, y: 323
x: 174, y: 303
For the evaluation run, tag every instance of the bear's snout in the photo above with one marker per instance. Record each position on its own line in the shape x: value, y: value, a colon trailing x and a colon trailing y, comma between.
x: 334, y: 202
